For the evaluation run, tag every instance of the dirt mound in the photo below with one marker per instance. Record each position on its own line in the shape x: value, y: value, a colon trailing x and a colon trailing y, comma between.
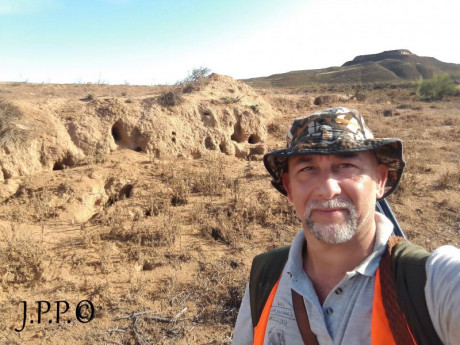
x: 163, y: 247
x: 42, y: 135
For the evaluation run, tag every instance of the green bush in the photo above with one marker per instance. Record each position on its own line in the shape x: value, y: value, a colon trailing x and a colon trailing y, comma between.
x: 434, y: 89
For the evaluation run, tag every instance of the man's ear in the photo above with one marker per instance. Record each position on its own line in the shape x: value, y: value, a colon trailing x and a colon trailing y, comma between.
x: 382, y: 175
x: 286, y: 184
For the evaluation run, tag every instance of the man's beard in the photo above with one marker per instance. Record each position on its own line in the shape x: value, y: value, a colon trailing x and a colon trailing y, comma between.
x: 333, y: 233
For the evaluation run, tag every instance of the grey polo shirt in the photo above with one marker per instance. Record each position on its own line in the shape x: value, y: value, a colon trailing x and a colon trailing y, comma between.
x: 345, y: 316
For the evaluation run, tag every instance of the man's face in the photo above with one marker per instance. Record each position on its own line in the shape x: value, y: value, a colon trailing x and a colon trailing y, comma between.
x: 335, y: 195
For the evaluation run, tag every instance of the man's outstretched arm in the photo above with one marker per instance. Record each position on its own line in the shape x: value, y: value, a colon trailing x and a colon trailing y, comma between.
x: 243, y: 333
x: 442, y: 293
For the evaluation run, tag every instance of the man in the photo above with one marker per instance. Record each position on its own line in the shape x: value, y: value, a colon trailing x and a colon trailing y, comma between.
x: 333, y: 171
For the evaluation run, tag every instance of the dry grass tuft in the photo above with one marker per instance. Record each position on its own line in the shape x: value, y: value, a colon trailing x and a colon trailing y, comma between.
x: 448, y: 180
x: 218, y: 292
x: 127, y: 226
x: 215, y: 181
x: 180, y: 191
x: 235, y: 221
x: 9, y: 132
x: 21, y: 258
x: 171, y: 98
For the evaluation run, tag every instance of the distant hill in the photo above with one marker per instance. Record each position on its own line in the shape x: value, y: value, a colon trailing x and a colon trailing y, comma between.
x: 393, y: 66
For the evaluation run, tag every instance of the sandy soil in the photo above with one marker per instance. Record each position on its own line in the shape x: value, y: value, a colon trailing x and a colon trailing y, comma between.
x: 157, y: 227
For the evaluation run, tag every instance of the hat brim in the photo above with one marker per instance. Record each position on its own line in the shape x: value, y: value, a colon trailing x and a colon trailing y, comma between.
x: 389, y: 151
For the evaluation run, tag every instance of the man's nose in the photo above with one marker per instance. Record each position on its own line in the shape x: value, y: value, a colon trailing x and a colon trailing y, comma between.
x: 328, y: 187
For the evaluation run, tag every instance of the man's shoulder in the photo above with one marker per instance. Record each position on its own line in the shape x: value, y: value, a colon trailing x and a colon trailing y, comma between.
x: 265, y: 271
x: 409, y: 254
x: 267, y: 267
x: 272, y: 254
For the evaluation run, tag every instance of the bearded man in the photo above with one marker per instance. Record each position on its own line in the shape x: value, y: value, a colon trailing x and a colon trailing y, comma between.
x: 345, y: 279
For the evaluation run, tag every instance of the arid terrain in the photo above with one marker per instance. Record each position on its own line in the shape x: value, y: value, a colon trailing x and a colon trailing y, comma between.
x: 151, y: 201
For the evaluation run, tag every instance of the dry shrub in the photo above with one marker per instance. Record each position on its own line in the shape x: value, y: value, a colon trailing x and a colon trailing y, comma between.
x: 180, y: 191
x: 125, y: 225
x: 448, y: 180
x: 226, y: 225
x: 21, y: 258
x: 9, y: 132
x: 215, y: 181
x: 408, y: 185
x: 38, y: 200
x: 179, y: 186
x: 197, y: 78
x: 235, y: 221
x: 231, y: 99
x: 170, y: 98
x: 218, y: 292
x: 158, y: 204
x: 277, y: 211
x: 229, y: 223
x: 329, y: 99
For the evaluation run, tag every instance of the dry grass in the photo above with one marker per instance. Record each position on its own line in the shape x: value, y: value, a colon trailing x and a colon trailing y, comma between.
x: 21, y: 258
x: 448, y: 180
x: 167, y: 263
x: 214, y: 181
x: 128, y: 225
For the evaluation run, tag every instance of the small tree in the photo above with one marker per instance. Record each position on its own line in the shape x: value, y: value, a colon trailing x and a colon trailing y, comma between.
x: 197, y: 74
x: 434, y: 89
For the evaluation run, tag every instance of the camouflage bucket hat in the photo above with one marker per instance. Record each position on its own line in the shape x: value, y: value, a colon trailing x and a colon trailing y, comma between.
x: 335, y: 131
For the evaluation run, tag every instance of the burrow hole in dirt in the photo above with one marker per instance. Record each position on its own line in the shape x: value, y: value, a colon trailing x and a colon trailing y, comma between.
x: 123, y: 138
x: 209, y: 143
x: 239, y: 137
x: 254, y: 139
x: 206, y: 112
x: 63, y: 163
x: 125, y: 192
x: 117, y: 132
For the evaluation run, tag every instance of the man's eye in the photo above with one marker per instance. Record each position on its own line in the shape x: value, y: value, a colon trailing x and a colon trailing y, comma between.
x: 309, y: 168
x: 346, y: 165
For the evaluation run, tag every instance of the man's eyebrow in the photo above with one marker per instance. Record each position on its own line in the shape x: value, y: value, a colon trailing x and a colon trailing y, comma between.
x: 347, y: 154
x: 304, y: 159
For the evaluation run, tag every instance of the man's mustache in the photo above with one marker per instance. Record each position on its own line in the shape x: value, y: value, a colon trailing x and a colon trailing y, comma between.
x: 333, y: 203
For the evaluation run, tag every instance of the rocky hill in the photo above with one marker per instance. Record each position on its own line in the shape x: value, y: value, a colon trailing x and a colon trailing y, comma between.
x: 393, y: 66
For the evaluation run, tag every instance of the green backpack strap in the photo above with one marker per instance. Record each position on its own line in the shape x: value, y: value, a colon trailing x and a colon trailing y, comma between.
x: 265, y: 271
x: 408, y: 269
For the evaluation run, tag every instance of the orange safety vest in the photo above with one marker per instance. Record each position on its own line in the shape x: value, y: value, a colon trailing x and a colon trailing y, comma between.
x: 380, y: 328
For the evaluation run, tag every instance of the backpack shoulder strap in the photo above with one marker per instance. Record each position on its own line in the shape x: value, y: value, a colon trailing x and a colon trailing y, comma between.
x: 409, y: 275
x: 265, y: 271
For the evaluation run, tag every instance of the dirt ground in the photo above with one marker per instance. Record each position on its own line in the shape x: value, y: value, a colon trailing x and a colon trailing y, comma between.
x: 161, y: 242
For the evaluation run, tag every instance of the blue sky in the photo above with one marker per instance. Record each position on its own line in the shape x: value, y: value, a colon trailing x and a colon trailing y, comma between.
x: 157, y: 42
